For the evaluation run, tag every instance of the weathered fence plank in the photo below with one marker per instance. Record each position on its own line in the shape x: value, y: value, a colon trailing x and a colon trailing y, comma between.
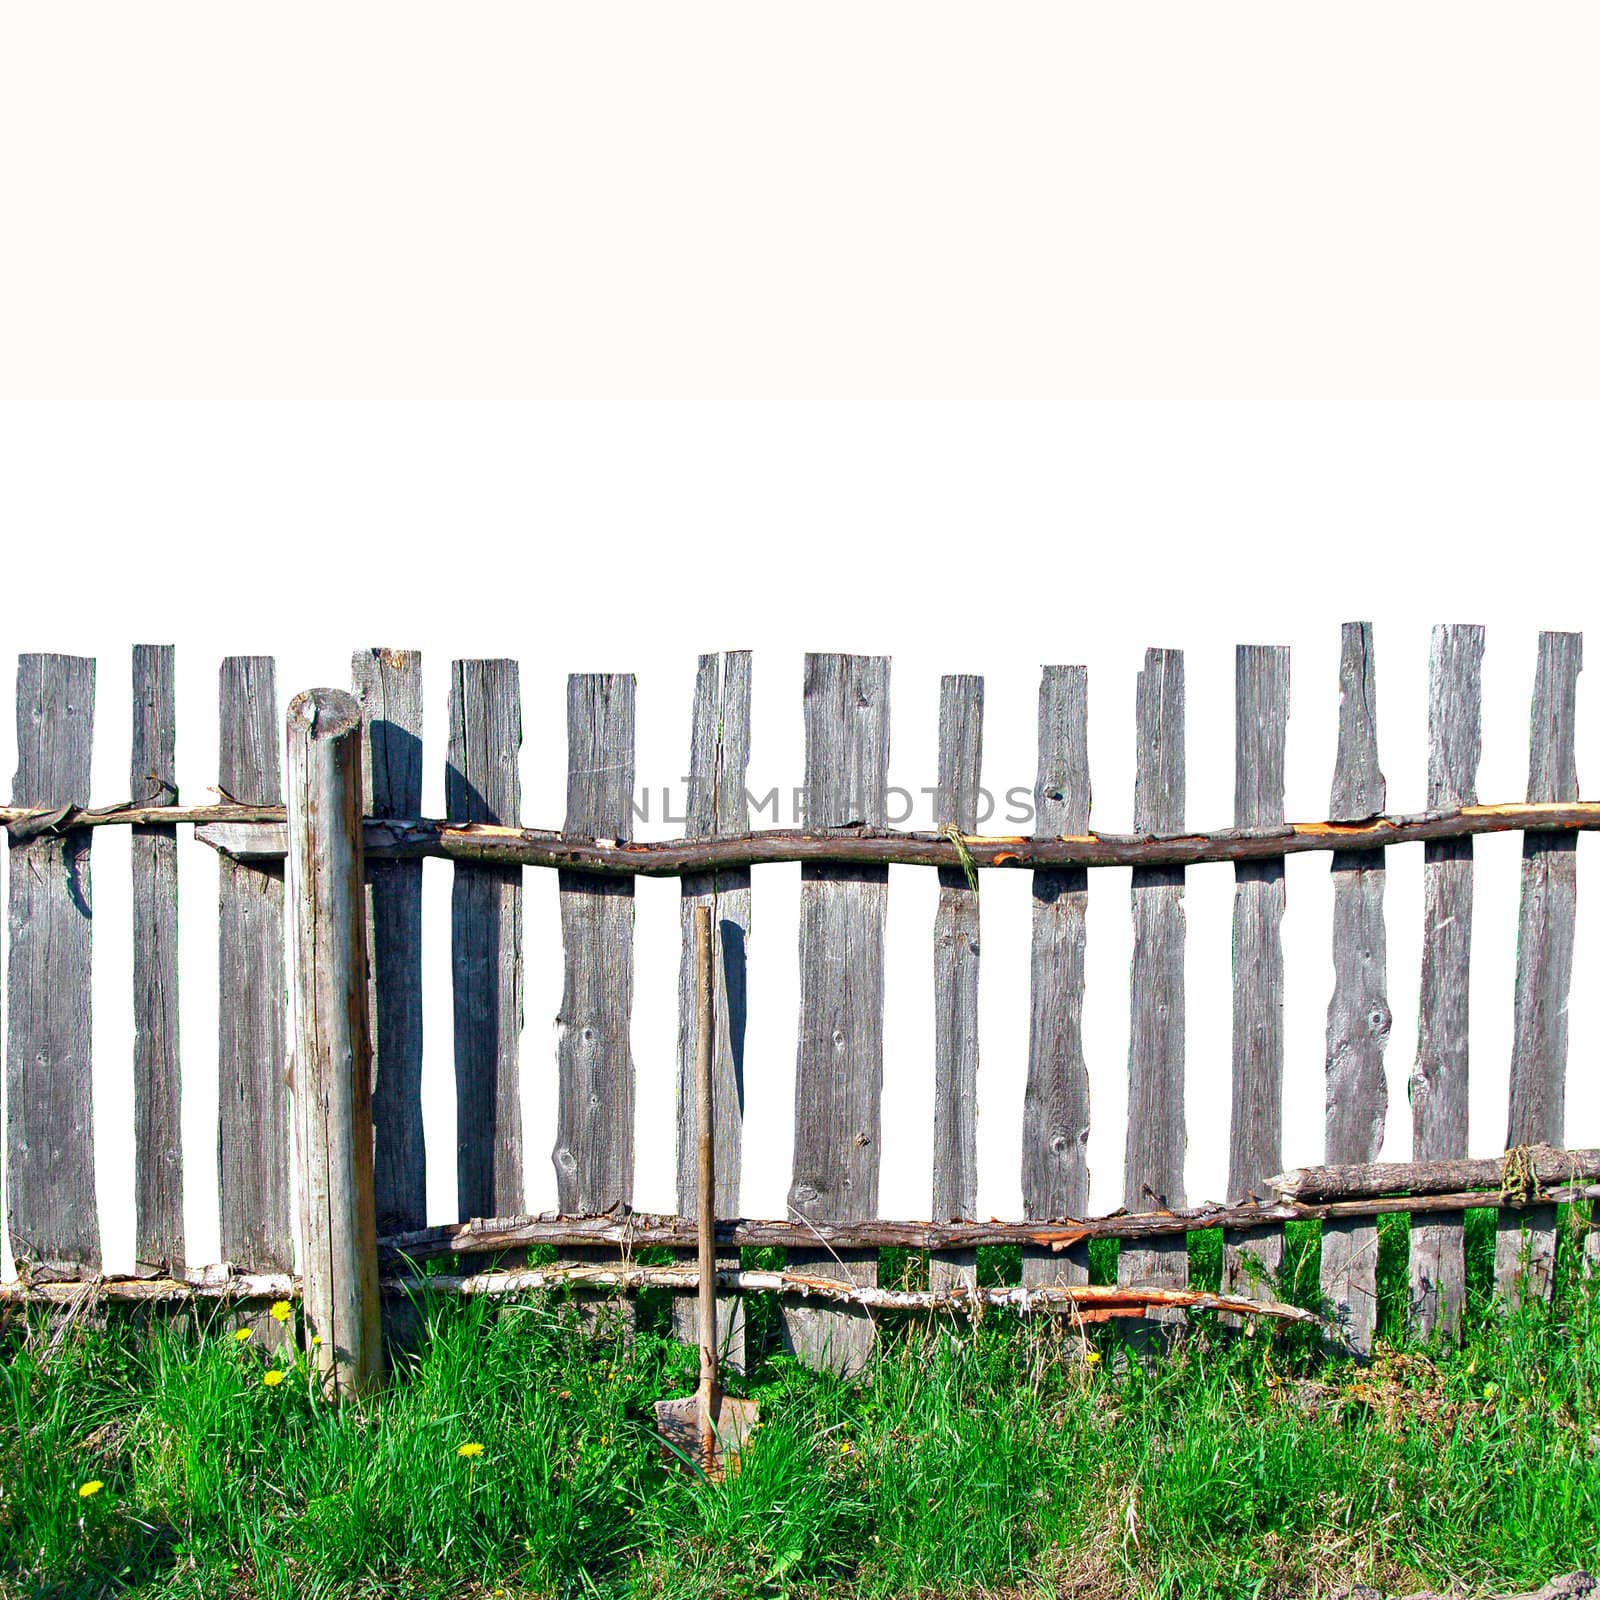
x: 253, y: 1140
x: 1526, y: 1242
x: 1055, y: 1107
x: 719, y: 754
x: 1439, y: 1080
x: 839, y: 1065
x: 157, y: 1085
x: 332, y: 1043
x: 1157, y: 1136
x: 1358, y: 1012
x: 1255, y: 1148
x: 49, y: 1081
x: 594, y: 1133
x: 482, y: 785
x: 955, y: 983
x: 388, y: 687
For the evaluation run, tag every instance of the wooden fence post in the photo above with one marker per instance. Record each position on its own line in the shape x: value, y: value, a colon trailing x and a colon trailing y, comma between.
x: 332, y: 1040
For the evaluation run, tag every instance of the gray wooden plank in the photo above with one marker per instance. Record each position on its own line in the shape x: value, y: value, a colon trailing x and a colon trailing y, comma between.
x: 955, y: 983
x: 1359, y: 1021
x: 1055, y: 1107
x: 1526, y: 1241
x: 719, y: 754
x: 388, y: 688
x: 482, y: 785
x: 52, y: 1217
x: 1156, y: 1138
x: 157, y: 1082
x: 1255, y: 1148
x: 839, y: 1065
x: 594, y: 1137
x: 253, y: 1137
x: 1439, y: 1080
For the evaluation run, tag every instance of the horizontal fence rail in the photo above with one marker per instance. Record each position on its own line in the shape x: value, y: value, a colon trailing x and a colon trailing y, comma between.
x: 829, y: 1286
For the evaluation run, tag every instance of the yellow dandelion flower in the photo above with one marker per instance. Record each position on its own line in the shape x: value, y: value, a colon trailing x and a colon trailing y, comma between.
x: 316, y: 1338
x: 272, y: 1377
x: 243, y: 1335
x: 281, y: 1311
x: 87, y: 1491
x: 844, y: 1449
x: 1092, y: 1357
x: 469, y: 1450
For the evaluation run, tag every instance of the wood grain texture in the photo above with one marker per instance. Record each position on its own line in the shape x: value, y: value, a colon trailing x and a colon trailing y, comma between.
x: 955, y: 982
x: 594, y: 1121
x: 332, y: 1042
x: 52, y: 1216
x: 1055, y: 1107
x: 839, y: 1065
x: 1525, y: 1244
x: 1359, y: 1020
x: 157, y: 1080
x: 388, y: 688
x: 253, y: 1141
x: 1157, y: 1135
x: 1255, y: 1146
x: 482, y: 785
x: 719, y: 755
x: 1439, y: 1080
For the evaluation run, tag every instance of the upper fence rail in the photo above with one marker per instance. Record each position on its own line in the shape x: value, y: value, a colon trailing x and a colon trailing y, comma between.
x: 844, y: 852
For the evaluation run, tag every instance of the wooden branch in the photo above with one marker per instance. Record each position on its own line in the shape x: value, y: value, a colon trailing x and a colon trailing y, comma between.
x: 255, y: 838
x: 1087, y: 1303
x: 1313, y: 1185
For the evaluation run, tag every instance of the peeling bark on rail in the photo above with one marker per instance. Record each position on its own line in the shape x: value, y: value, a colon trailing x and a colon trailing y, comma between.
x: 254, y: 837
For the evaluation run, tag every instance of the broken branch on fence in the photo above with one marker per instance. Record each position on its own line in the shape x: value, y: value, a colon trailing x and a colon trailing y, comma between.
x: 1088, y: 1303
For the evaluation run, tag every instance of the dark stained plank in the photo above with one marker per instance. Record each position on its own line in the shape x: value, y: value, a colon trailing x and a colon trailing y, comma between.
x: 1358, y: 1012
x: 482, y: 785
x: 1439, y: 1080
x: 955, y: 983
x: 1255, y: 1145
x: 1055, y: 1108
x: 839, y: 1066
x: 719, y: 754
x: 594, y: 1135
x: 1526, y: 1242
x: 1153, y: 1167
x: 157, y: 1084
x: 388, y: 688
x: 253, y: 1141
x: 52, y: 1217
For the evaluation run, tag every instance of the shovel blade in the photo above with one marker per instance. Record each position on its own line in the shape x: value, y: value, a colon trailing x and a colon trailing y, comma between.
x: 682, y: 1426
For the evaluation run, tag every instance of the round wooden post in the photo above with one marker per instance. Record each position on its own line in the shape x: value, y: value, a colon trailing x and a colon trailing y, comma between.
x: 332, y: 1048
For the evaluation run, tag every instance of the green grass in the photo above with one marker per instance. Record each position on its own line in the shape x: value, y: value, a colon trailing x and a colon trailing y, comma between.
x: 990, y: 1460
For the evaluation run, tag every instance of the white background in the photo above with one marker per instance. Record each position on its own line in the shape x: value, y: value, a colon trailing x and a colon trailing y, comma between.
x: 984, y: 539
x: 980, y: 336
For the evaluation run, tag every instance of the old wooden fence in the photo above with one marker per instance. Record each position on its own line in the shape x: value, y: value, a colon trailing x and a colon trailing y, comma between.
x: 834, y: 1229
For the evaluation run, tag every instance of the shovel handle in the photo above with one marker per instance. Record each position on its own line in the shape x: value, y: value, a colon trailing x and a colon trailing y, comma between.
x: 706, y: 1214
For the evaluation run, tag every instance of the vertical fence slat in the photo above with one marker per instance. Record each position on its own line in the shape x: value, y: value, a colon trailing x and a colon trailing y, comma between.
x: 482, y: 785
x: 157, y: 1124
x: 839, y: 1065
x: 49, y: 1083
x: 955, y: 982
x: 388, y: 686
x: 1358, y: 1012
x: 1055, y: 1107
x: 1255, y: 1150
x: 1153, y: 1169
x: 594, y: 1133
x: 1545, y: 930
x: 1439, y: 1080
x: 719, y: 753
x: 333, y: 1041
x: 253, y: 1140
